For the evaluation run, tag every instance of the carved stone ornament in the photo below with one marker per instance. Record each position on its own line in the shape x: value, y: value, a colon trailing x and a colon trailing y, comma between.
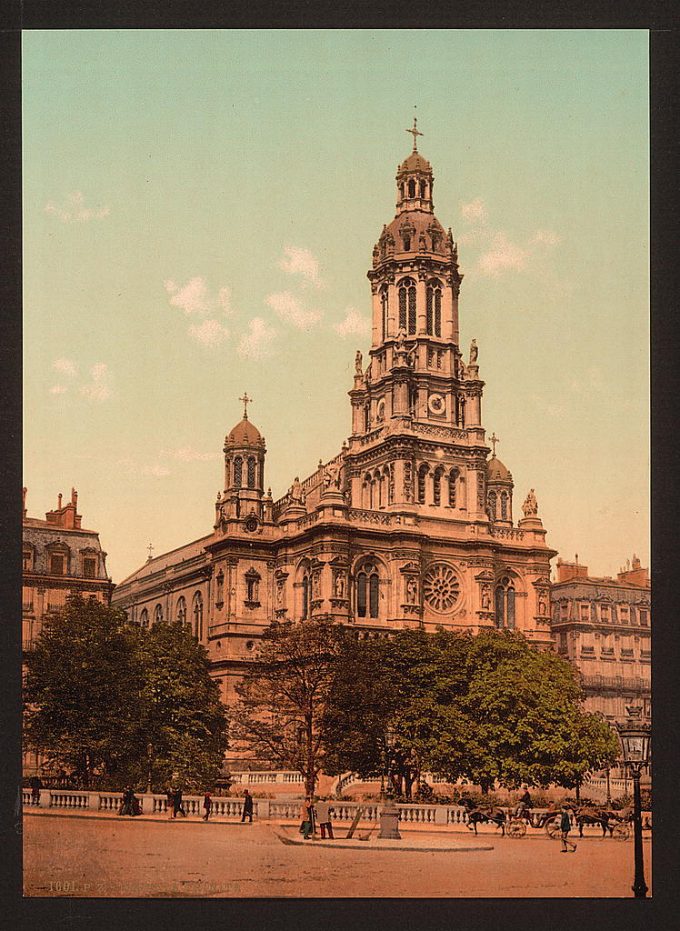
x: 441, y: 588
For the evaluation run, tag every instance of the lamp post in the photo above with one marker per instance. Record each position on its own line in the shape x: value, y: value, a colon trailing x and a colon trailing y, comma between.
x: 149, y: 758
x: 634, y: 735
x: 389, y: 813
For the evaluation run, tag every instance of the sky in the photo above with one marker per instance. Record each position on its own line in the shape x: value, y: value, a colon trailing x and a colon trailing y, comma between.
x: 200, y: 209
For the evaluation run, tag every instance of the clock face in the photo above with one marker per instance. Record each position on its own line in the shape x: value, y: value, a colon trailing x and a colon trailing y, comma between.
x: 251, y: 524
x: 436, y: 403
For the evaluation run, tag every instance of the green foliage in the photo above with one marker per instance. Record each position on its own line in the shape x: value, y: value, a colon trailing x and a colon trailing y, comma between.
x: 279, y: 717
x: 490, y: 708
x: 113, y: 704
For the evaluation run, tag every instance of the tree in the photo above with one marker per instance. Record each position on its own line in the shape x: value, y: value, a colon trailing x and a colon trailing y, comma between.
x: 491, y: 708
x: 78, y: 683
x: 183, y: 723
x: 283, y: 695
x: 113, y: 703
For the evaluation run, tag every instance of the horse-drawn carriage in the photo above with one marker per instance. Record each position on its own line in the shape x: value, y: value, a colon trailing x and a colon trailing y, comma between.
x: 617, y: 823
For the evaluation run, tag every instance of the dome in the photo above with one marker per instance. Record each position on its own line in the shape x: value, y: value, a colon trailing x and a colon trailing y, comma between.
x: 496, y: 471
x: 420, y: 223
x: 245, y: 434
x: 415, y: 162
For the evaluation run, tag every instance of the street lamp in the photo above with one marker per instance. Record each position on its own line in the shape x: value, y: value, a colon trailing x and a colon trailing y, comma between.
x: 149, y: 759
x: 634, y: 735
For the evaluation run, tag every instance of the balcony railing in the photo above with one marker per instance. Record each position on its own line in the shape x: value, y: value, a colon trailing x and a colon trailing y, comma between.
x: 620, y: 683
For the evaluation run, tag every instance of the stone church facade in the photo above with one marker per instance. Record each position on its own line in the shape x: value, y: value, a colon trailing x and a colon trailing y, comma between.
x: 412, y: 524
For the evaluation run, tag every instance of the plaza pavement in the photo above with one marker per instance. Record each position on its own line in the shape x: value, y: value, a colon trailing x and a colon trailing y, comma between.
x: 81, y: 855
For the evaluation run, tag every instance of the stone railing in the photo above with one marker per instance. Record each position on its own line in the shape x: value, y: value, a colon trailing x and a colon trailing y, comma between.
x: 258, y: 777
x: 504, y: 533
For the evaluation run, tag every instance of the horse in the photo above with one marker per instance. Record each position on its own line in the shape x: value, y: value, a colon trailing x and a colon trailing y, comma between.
x: 486, y: 816
x: 589, y: 814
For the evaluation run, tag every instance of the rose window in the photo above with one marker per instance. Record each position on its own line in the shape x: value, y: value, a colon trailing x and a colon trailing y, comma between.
x: 441, y: 588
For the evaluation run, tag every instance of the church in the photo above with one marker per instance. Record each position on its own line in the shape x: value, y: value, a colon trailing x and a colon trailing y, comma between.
x: 411, y: 525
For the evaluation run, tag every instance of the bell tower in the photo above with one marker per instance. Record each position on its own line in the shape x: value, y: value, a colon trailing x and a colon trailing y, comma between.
x: 244, y: 455
x: 417, y: 436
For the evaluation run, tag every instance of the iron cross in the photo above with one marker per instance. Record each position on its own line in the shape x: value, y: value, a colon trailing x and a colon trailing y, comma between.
x: 493, y: 439
x: 415, y: 132
x: 246, y: 401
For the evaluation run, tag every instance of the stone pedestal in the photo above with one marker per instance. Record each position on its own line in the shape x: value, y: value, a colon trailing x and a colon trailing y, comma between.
x: 389, y: 821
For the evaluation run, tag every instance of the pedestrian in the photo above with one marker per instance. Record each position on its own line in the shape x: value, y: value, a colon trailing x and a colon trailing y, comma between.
x: 35, y: 784
x: 179, y: 807
x: 323, y: 815
x: 247, y: 807
x: 127, y: 802
x: 170, y: 793
x: 207, y: 805
x: 565, y: 827
x: 306, y: 824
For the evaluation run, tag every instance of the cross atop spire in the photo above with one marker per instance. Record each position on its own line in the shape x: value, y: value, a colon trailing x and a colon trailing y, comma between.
x: 150, y: 549
x: 493, y: 439
x: 246, y: 401
x: 415, y: 132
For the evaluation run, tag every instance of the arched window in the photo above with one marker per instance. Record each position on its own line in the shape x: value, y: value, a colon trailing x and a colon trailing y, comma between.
x: 251, y: 471
x: 367, y: 417
x: 453, y: 477
x: 504, y: 505
x: 384, y: 308
x: 368, y: 585
x: 433, y: 309
x: 422, y: 189
x: 238, y: 471
x: 491, y: 505
x: 366, y: 492
x: 422, y: 475
x: 182, y: 610
x: 437, y: 485
x: 227, y: 467
x: 412, y: 188
x: 158, y: 615
x: 197, y: 611
x: 407, y: 305
x: 505, y: 603
x: 144, y: 618
x: 305, y: 597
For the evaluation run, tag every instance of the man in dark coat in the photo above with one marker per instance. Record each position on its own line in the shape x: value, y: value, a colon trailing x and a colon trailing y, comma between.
x: 565, y: 827
x: 207, y: 805
x: 247, y: 807
x: 35, y: 784
x: 179, y: 807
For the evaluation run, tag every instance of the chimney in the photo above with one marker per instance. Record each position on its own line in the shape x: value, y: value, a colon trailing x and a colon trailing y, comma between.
x: 74, y: 497
x: 59, y: 497
x: 570, y: 570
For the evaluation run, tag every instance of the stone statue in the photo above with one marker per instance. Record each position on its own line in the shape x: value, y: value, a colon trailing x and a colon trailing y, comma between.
x: 530, y: 506
x: 219, y: 496
x: 486, y: 597
x: 331, y: 476
x: 296, y: 490
x: 411, y: 591
x: 358, y: 363
x: 474, y: 352
x: 339, y: 585
x: 279, y: 591
x: 541, y: 604
x: 400, y: 345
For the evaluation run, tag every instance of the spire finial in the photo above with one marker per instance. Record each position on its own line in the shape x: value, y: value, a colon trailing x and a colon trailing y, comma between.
x: 415, y: 132
x: 246, y: 401
x: 493, y: 439
x: 150, y: 549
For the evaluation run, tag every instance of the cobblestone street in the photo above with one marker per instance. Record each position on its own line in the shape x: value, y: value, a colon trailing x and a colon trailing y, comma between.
x: 72, y: 856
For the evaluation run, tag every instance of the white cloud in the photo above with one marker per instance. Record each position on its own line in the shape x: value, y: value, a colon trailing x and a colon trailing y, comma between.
x: 193, y: 298
x: 257, y: 342
x: 302, y: 262
x: 544, y: 238
x: 210, y: 333
x: 290, y: 310
x: 224, y: 301
x: 503, y: 256
x: 65, y: 366
x: 354, y: 324
x: 98, y: 389
x: 58, y: 389
x: 73, y: 210
x: 188, y: 454
x: 474, y: 210
x: 158, y: 471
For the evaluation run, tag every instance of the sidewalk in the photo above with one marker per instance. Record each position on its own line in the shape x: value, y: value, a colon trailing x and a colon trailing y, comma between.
x: 436, y: 844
